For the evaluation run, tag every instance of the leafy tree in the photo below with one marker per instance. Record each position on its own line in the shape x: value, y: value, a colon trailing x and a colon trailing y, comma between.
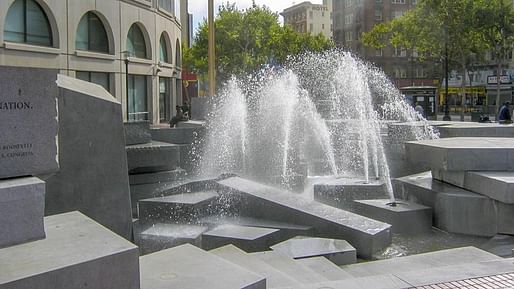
x: 247, y: 39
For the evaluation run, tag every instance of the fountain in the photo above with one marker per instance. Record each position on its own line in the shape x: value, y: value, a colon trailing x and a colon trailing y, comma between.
x: 321, y: 114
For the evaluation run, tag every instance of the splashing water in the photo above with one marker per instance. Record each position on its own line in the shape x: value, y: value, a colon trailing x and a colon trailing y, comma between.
x: 320, y: 114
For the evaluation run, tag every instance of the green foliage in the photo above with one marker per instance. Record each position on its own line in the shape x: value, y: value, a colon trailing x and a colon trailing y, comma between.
x: 247, y: 39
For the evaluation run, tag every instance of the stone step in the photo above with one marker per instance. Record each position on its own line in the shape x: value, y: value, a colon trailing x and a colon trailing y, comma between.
x: 160, y: 236
x: 420, y: 262
x: 178, y: 135
x: 454, y: 209
x: 188, y: 267
x: 187, y: 207
x: 77, y: 253
x: 365, y: 234
x: 274, y: 278
x: 324, y: 267
x: 137, y: 132
x: 191, y: 123
x: 495, y: 185
x: 375, y: 282
x: 463, y: 153
x: 473, y: 129
x: 148, y: 191
x: 153, y: 157
x: 157, y: 177
x: 338, y: 252
x: 289, y: 267
x: 249, y: 239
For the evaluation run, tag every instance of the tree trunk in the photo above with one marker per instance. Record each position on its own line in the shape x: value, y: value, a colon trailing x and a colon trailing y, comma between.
x: 498, y: 74
x: 462, y: 94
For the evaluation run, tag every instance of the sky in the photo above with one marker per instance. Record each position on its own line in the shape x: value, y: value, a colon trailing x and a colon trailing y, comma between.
x: 199, y: 7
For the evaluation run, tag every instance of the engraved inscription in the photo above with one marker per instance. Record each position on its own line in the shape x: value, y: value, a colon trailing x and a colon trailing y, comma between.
x: 13, y: 151
x: 15, y: 105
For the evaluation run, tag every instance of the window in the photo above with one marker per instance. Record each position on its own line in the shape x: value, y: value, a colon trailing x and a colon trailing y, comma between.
x: 378, y: 1
x: 348, y: 19
x: 26, y: 22
x: 348, y: 3
x: 311, y: 27
x: 414, y: 2
x: 398, y: 1
x: 399, y: 52
x: 348, y: 36
x: 91, y: 34
x: 163, y: 50
x: 379, y: 52
x: 164, y: 99
x: 421, y: 72
x: 397, y: 14
x: 136, y: 44
x: 378, y: 14
x: 400, y: 72
x: 322, y: 26
x: 310, y: 14
x: 178, y: 56
x: 166, y: 5
x: 137, y: 98
x: 100, y: 78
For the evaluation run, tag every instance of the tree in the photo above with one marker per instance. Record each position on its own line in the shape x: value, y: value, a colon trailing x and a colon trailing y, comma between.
x: 436, y: 28
x: 248, y: 39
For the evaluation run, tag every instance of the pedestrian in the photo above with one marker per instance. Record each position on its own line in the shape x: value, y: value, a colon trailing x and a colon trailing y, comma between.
x: 178, y: 117
x: 504, y: 116
x: 419, y: 109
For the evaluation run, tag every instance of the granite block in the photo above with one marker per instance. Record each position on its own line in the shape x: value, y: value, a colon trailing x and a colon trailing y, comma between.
x: 250, y: 239
x: 153, y: 157
x: 163, y: 236
x: 137, y: 132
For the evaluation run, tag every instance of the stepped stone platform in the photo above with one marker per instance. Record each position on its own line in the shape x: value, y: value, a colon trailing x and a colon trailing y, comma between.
x: 495, y: 185
x: 274, y: 277
x: 22, y: 209
x: 157, y: 177
x: 338, y: 252
x: 323, y: 267
x: 366, y: 235
x: 463, y: 153
x: 454, y: 209
x: 191, y: 124
x: 473, y: 129
x: 153, y: 157
x: 148, y: 191
x: 187, y: 207
x: 137, y: 132
x: 164, y: 236
x: 77, y: 253
x: 188, y: 267
x: 405, y: 217
x: 341, y: 193
x: 250, y: 239
x: 177, y: 135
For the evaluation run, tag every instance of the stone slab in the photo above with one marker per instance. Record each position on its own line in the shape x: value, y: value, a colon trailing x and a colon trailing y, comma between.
x: 470, y: 129
x: 77, y: 253
x: 454, y: 209
x: 375, y: 282
x: 338, y: 252
x: 163, y: 236
x: 250, y: 239
x: 28, y: 121
x: 93, y: 175
x: 178, y: 135
x: 324, y: 267
x: 463, y: 153
x: 341, y: 193
x: 405, y: 217
x: 137, y: 132
x: 191, y: 124
x: 365, y: 234
x: 274, y: 278
x: 153, y: 157
x: 147, y: 191
x: 420, y: 262
x: 187, y: 207
x: 505, y: 218
x: 188, y: 267
x: 22, y: 208
x: 157, y: 177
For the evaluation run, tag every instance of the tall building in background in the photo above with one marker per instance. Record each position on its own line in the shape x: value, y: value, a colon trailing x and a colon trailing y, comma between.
x: 186, y: 20
x: 311, y: 18
x: 353, y: 17
x: 98, y: 41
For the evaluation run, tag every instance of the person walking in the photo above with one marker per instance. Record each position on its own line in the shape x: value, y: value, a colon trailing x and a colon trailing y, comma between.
x: 504, y: 116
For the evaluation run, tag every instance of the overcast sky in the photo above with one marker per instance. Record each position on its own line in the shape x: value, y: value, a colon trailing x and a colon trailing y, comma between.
x: 199, y: 7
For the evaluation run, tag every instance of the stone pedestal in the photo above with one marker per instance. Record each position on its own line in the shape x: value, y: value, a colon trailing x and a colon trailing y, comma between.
x: 22, y: 208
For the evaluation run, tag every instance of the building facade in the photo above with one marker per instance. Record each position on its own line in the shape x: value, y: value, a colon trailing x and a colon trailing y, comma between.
x: 130, y: 47
x: 311, y: 18
x: 351, y: 18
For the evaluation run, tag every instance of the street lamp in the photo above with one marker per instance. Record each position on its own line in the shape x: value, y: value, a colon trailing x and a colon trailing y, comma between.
x: 126, y: 54
x: 446, y: 108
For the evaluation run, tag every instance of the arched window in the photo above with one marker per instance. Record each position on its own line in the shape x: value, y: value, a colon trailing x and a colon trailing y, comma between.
x: 163, y: 49
x: 26, y: 22
x: 91, y: 34
x: 178, y: 57
x: 136, y: 44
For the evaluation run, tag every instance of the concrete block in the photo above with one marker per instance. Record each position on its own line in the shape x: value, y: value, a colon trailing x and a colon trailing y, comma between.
x: 137, y: 132
x: 260, y: 201
x: 405, y: 217
x: 188, y: 207
x: 157, y: 177
x: 341, y: 193
x: 250, y: 239
x: 188, y: 267
x: 505, y: 218
x: 191, y: 124
x: 28, y: 121
x: 324, y: 267
x: 22, y: 208
x: 178, y: 135
x: 77, y: 253
x: 164, y: 236
x: 338, y: 252
x: 274, y: 278
x: 463, y: 154
x: 469, y: 129
x: 93, y: 175
x: 454, y: 209
x: 153, y: 157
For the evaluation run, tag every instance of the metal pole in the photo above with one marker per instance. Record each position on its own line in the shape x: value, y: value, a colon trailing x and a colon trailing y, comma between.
x: 446, y: 108
x: 211, y: 52
x: 127, y: 85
